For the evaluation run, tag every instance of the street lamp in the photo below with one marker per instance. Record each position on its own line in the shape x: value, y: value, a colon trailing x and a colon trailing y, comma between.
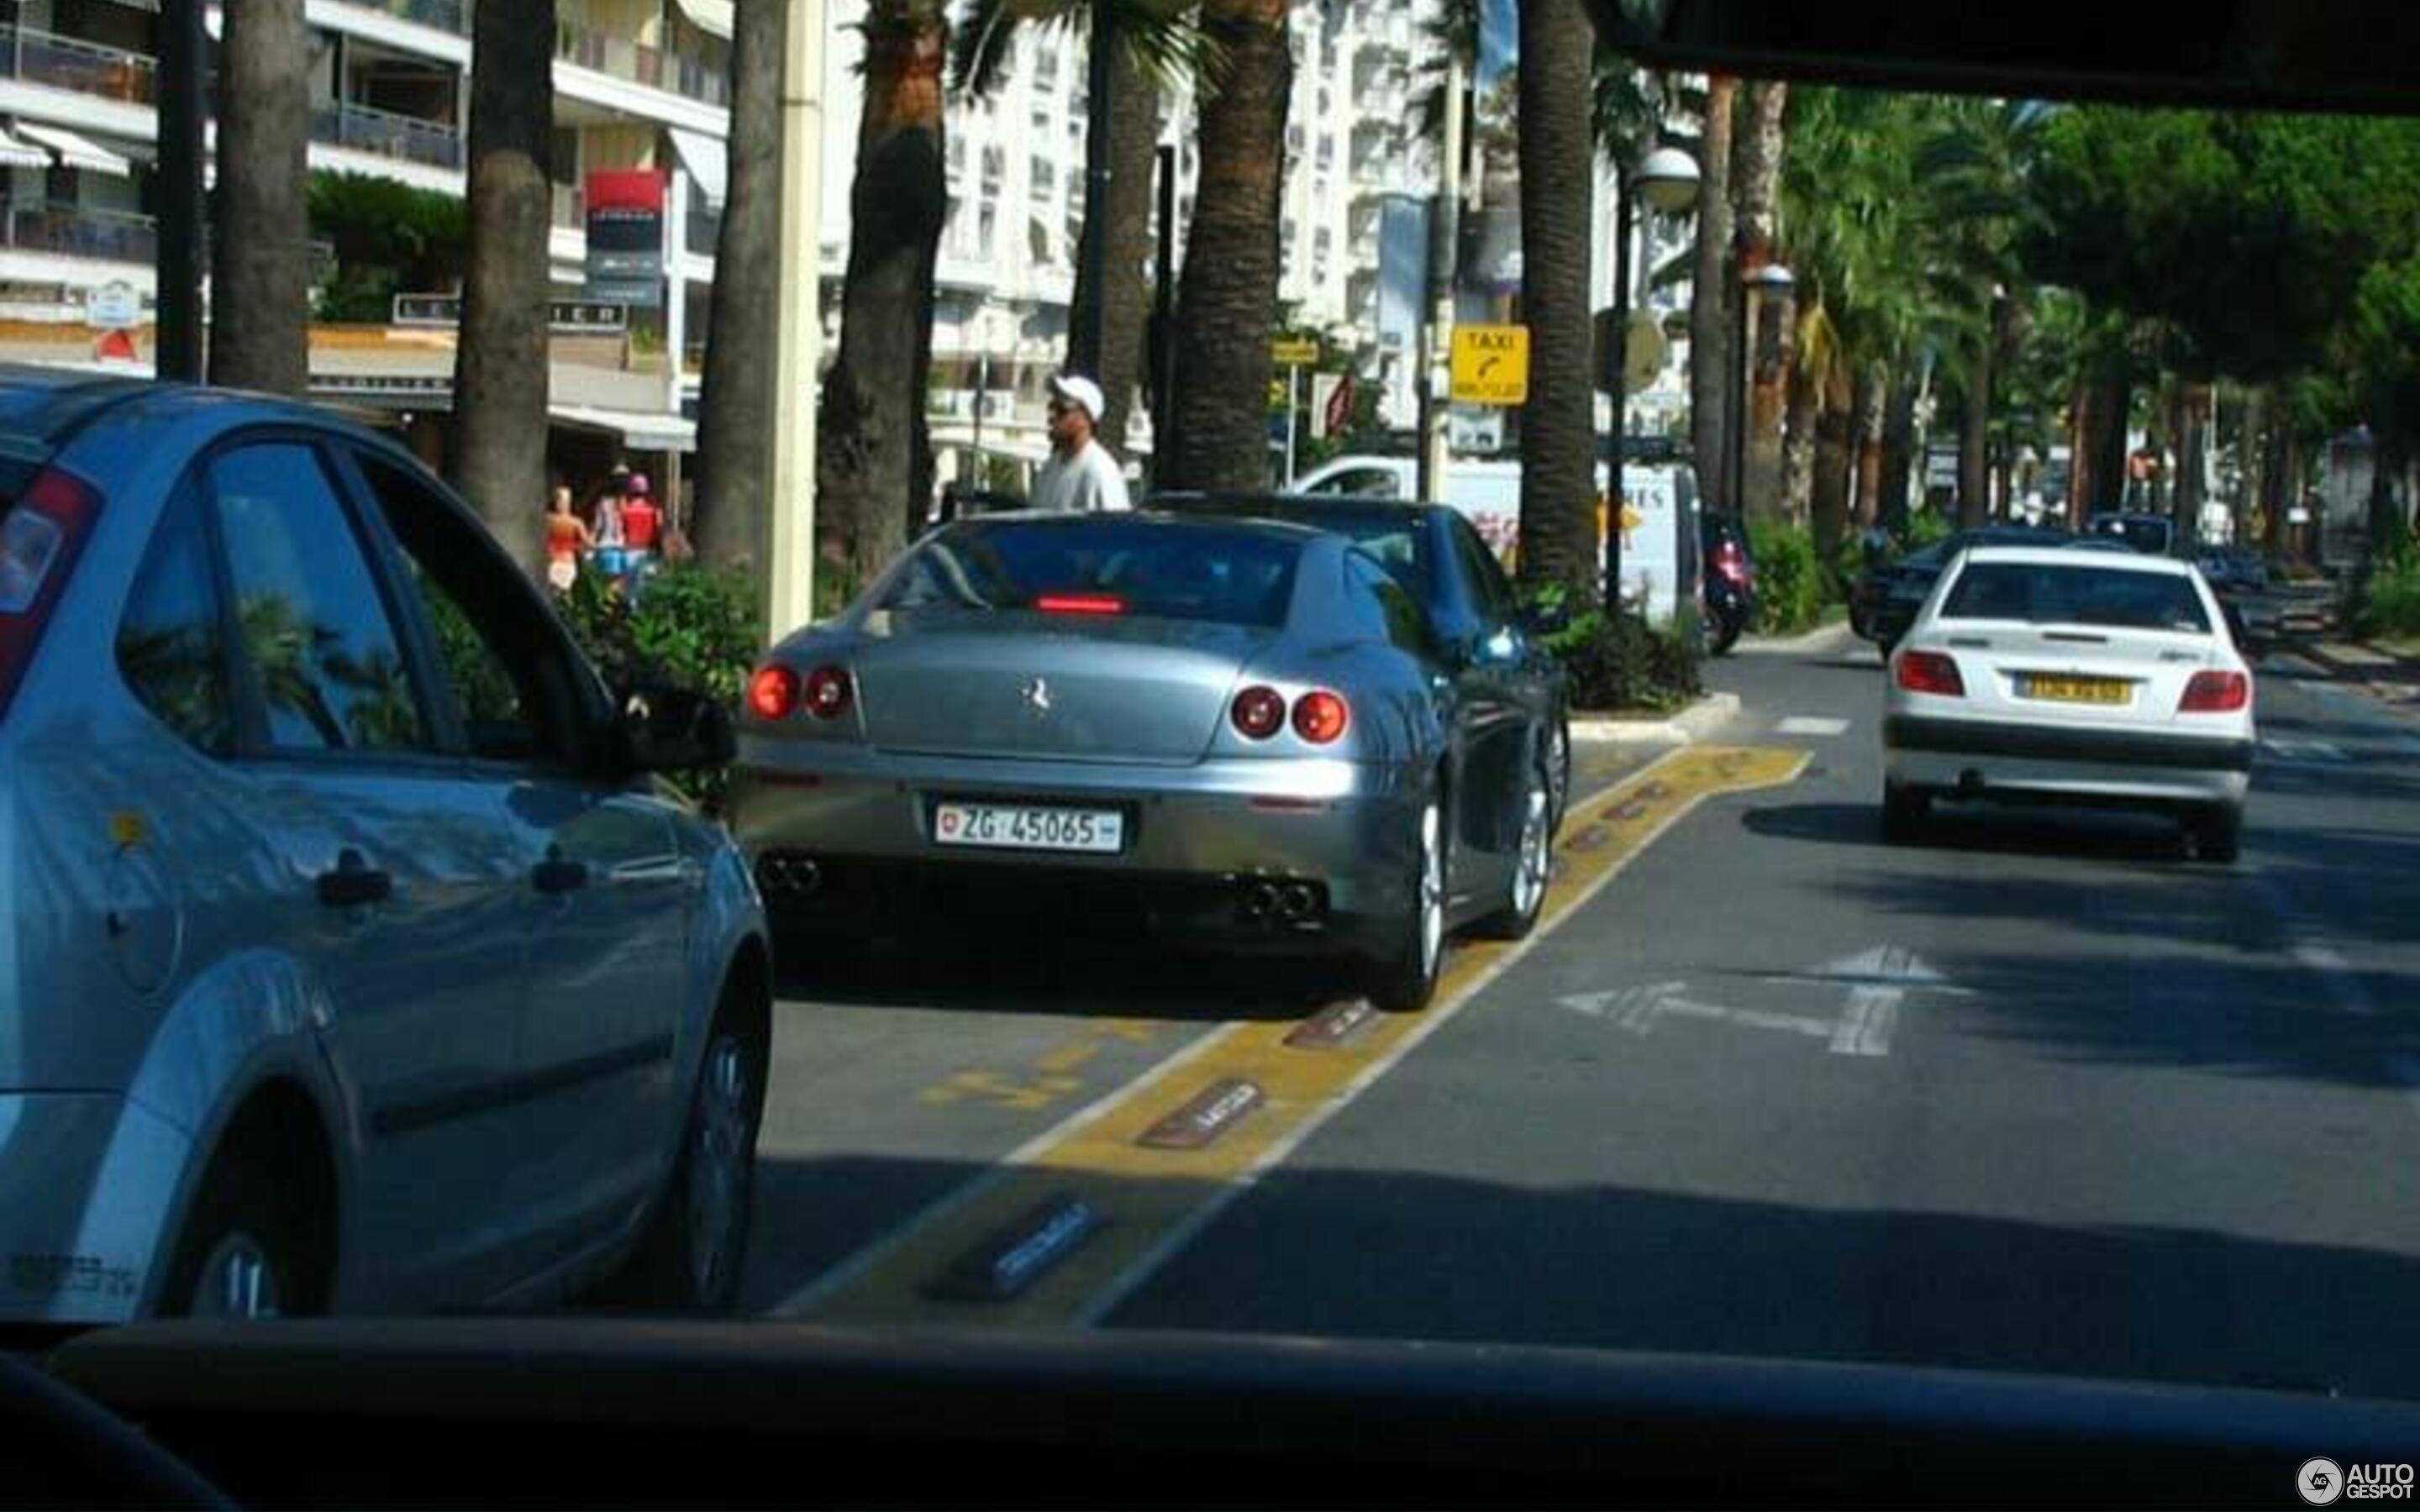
x: 1667, y: 179
x: 1772, y: 279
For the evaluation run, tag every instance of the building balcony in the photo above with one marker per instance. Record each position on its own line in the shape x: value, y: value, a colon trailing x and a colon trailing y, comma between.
x: 82, y: 68
x: 388, y: 135
x: 70, y: 231
x: 444, y: 15
x: 647, y: 66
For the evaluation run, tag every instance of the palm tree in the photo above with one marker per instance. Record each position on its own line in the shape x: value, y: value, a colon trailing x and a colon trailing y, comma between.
x: 1709, y: 307
x: 873, y: 464
x: 1757, y: 191
x: 260, y: 272
x: 1154, y: 46
x: 1559, y: 531
x: 1973, y: 165
x: 499, y: 359
x: 1228, y: 293
x: 736, y: 407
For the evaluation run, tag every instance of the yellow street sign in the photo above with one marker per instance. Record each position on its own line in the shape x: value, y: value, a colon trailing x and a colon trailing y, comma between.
x: 1287, y: 351
x: 1491, y: 365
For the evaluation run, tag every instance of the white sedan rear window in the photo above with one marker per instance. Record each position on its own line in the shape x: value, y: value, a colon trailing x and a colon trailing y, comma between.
x: 2041, y: 593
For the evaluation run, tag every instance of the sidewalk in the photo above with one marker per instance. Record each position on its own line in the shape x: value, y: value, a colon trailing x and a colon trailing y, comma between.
x: 1692, y: 723
x: 2388, y: 673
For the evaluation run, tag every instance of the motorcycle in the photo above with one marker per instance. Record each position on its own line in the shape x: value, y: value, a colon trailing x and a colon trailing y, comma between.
x: 1729, y: 594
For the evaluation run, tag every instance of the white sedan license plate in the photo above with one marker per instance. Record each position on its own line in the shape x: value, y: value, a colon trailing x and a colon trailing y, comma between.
x: 1020, y: 827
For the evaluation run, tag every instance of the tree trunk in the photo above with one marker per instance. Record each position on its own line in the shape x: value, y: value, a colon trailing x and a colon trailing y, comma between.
x: 260, y: 275
x: 2193, y: 439
x: 2280, y: 485
x: 1835, y: 466
x: 1898, y: 447
x: 1711, y: 304
x: 735, y: 408
x: 1798, y: 445
x: 1974, y: 432
x: 500, y: 360
x: 874, y: 458
x: 1227, y: 297
x: 1874, y: 391
x: 1558, y: 531
x: 1134, y: 163
x: 2112, y: 401
x: 1770, y: 319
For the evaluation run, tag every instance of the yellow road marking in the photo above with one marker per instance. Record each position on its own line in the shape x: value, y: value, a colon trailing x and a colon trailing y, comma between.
x: 1068, y: 1057
x: 1152, y: 1200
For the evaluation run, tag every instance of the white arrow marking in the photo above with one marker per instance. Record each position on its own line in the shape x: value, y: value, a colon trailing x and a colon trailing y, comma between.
x: 1865, y: 1023
x: 1884, y: 966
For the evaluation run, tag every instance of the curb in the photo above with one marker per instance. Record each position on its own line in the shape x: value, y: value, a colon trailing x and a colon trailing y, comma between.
x: 1803, y: 640
x: 1692, y: 723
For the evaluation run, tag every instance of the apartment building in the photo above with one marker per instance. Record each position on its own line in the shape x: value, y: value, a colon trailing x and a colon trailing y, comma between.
x: 639, y: 83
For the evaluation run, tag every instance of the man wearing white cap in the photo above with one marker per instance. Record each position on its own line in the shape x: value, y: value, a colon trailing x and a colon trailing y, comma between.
x: 1081, y: 476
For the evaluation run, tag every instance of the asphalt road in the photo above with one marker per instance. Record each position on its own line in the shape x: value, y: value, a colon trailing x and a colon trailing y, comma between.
x: 2041, y: 1094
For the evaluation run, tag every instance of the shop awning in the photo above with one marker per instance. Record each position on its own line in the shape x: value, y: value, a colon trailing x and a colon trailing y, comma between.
x: 16, y: 154
x: 710, y: 16
x: 75, y: 151
x: 705, y: 159
x: 640, y: 432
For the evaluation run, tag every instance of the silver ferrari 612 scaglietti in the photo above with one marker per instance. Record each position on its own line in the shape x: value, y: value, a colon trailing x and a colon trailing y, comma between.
x: 1250, y: 733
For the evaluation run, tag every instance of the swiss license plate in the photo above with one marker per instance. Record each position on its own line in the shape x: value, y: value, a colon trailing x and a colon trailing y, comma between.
x: 1016, y: 826
x: 2072, y: 690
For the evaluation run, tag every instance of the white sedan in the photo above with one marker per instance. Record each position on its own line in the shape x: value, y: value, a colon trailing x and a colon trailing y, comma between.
x: 2042, y: 675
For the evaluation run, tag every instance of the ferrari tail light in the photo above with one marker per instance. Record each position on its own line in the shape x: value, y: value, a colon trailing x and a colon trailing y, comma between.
x: 1929, y: 672
x: 1320, y: 716
x: 2216, y: 693
x: 773, y: 692
x: 1258, y: 713
x: 41, y: 535
x: 827, y: 693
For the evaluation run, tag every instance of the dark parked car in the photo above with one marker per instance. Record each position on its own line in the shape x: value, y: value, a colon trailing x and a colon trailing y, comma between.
x: 1887, y: 594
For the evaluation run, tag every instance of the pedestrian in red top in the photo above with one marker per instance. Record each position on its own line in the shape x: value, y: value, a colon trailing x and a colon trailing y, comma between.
x: 642, y: 520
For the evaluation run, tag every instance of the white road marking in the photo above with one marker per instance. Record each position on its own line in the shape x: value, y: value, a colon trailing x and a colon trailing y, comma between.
x: 1809, y: 724
x: 2315, y: 955
x: 1866, y: 1024
x: 2304, y: 752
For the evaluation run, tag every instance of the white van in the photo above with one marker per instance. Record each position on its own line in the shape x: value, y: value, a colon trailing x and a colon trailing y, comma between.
x: 1657, y: 564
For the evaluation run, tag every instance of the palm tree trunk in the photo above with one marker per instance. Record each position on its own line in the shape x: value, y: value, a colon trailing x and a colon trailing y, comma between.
x: 1228, y: 294
x: 735, y: 414
x: 1559, y: 531
x: 1974, y: 432
x: 261, y: 277
x: 1134, y: 158
x: 1711, y: 304
x: 1898, y: 447
x: 2193, y: 437
x: 874, y: 462
x: 1759, y: 172
x: 500, y: 360
x: 1873, y: 390
x: 1834, y: 465
x: 1798, y: 446
x: 2112, y: 401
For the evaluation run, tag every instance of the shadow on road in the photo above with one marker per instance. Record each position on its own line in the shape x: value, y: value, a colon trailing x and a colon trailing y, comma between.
x: 1068, y: 976
x: 1315, y: 1253
x: 2074, y: 833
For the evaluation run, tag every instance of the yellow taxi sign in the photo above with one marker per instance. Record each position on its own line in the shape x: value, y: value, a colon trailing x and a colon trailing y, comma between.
x: 1491, y: 365
x: 1289, y: 351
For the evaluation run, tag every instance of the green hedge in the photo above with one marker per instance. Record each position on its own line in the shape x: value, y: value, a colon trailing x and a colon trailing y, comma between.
x: 2389, y: 602
x: 1792, y: 587
x: 690, y: 627
x: 1620, y: 663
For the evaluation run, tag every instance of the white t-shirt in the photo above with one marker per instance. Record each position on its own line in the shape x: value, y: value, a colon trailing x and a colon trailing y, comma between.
x: 1082, y: 483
